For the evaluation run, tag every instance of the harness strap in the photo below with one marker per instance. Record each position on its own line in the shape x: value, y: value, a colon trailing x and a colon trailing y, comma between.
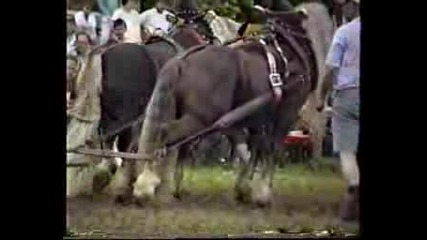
x: 171, y: 41
x: 274, y: 77
x: 297, y: 48
x: 282, y: 55
x: 191, y: 50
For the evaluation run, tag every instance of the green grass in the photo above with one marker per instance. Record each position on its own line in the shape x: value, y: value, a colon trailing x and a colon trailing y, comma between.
x: 293, y: 180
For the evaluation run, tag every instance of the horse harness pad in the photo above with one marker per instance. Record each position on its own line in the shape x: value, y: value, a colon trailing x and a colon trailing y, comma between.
x: 303, y: 47
x: 304, y: 52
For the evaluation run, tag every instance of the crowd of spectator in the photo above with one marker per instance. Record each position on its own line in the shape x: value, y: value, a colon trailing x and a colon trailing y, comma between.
x: 87, y: 28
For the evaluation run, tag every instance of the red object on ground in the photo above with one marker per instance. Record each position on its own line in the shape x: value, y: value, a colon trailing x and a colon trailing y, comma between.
x: 293, y: 139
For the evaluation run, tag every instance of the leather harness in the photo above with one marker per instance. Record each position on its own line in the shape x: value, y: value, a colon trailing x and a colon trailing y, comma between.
x: 288, y: 27
x: 302, y: 48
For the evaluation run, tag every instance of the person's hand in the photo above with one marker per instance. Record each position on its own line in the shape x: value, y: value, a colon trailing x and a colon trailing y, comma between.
x: 328, y: 111
x: 159, y: 32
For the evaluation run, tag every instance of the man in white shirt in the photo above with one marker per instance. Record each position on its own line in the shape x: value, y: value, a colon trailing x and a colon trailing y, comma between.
x: 86, y: 20
x: 128, y: 12
x: 155, y: 20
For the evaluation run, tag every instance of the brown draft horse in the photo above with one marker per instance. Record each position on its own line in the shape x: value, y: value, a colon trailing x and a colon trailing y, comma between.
x: 193, y: 91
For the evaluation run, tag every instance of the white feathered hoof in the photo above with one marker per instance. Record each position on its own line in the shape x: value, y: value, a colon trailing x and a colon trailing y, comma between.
x: 261, y: 194
x: 145, y: 187
x: 243, y: 192
x: 102, y: 176
x: 120, y: 188
x: 100, y: 181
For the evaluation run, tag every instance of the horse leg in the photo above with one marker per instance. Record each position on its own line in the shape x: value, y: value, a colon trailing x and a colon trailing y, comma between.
x: 121, y: 185
x: 104, y: 170
x: 110, y: 162
x: 247, y: 172
x: 239, y: 149
x: 257, y: 188
x: 161, y: 181
x: 262, y: 182
x: 184, y: 153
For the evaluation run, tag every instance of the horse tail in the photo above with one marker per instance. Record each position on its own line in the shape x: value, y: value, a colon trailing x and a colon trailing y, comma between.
x: 320, y: 29
x: 161, y: 108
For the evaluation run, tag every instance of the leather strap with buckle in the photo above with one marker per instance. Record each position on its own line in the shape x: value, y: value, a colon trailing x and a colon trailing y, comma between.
x: 274, y: 77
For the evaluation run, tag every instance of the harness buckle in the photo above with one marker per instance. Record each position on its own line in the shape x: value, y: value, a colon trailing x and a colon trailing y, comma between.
x: 275, y: 80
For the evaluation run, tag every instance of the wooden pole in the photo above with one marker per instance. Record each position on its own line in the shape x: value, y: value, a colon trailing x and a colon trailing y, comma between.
x: 111, y: 154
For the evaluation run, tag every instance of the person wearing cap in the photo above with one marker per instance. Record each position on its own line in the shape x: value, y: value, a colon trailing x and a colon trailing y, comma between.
x: 155, y: 20
x: 343, y: 75
x: 128, y: 12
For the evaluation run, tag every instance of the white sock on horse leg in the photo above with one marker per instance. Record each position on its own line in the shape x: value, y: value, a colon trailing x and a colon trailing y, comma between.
x: 349, y: 168
x: 243, y: 152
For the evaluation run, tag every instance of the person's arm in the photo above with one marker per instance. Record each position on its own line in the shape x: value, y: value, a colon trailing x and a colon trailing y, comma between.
x: 143, y: 19
x: 325, y: 87
x: 333, y: 63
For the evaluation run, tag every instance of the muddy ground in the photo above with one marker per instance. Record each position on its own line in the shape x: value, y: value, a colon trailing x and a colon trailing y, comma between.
x: 305, y: 203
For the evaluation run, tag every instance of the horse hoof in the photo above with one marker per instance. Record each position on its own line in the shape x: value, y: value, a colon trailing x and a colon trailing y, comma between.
x: 123, y: 199
x: 139, y: 202
x: 113, y: 169
x: 263, y: 204
x: 242, y: 197
x: 100, y: 181
x: 179, y: 195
